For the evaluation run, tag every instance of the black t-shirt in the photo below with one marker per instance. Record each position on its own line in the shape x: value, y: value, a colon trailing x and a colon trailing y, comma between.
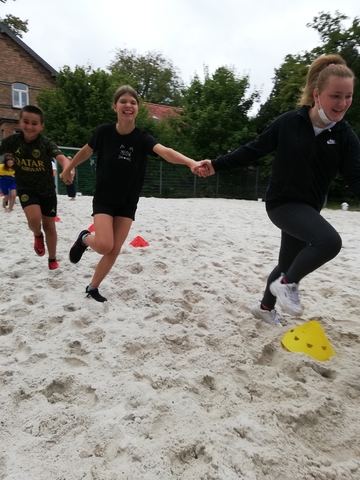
x: 33, y: 169
x: 121, y: 163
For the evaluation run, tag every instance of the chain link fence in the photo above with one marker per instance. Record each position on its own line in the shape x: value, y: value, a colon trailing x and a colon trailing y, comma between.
x: 164, y: 179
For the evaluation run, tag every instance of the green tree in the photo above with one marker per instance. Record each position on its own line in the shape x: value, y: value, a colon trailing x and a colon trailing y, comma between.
x: 81, y: 101
x: 152, y: 75
x: 216, y: 112
x: 15, y: 24
x: 289, y: 80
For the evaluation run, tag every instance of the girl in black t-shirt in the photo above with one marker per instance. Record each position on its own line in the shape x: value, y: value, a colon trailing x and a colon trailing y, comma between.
x: 122, y: 151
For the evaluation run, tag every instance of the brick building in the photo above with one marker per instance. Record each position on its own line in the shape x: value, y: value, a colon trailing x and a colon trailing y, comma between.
x: 22, y: 75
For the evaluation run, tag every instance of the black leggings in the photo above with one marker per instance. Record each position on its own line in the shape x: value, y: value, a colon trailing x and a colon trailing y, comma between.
x: 307, y: 242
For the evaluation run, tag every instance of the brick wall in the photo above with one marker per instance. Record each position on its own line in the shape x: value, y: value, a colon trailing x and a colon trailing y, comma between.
x: 17, y: 65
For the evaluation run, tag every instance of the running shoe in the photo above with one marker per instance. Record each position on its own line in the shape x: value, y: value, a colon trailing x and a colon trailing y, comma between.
x: 94, y: 293
x: 39, y: 246
x: 78, y: 248
x: 53, y: 265
x: 271, y: 317
x: 288, y: 297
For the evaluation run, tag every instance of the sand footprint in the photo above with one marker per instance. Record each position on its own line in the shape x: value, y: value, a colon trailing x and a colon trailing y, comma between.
x: 67, y: 390
x: 5, y: 329
x: 24, y: 352
x: 136, y: 268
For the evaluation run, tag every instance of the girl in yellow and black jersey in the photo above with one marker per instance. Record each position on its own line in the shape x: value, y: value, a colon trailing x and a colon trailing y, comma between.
x: 7, y: 182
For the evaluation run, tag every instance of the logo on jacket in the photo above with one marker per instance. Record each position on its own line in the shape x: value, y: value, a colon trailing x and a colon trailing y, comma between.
x: 331, y: 141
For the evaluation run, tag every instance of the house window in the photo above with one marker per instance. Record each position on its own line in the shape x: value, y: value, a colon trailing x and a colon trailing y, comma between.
x: 20, y: 95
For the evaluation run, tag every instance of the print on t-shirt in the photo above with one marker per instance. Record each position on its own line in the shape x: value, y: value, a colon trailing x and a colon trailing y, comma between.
x: 125, y: 154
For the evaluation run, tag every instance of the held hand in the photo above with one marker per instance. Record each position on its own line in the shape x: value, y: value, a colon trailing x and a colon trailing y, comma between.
x: 193, y: 166
x: 204, y: 168
x: 67, y: 177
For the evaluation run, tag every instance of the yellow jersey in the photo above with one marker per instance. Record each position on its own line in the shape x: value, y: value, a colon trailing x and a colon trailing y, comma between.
x: 8, y: 173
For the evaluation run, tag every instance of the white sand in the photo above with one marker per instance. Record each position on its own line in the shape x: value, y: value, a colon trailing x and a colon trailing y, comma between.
x: 173, y: 378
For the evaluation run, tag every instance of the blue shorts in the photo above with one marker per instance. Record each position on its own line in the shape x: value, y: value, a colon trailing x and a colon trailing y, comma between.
x: 7, y: 183
x: 47, y: 205
x: 124, y: 210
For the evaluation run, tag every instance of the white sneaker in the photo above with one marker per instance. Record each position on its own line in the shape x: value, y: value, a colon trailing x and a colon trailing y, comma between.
x: 287, y: 296
x: 269, y: 316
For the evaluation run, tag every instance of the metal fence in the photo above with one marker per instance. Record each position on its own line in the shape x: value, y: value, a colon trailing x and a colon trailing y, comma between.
x: 164, y: 179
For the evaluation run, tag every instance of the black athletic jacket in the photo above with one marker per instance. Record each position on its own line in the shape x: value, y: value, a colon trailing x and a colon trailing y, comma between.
x: 305, y: 165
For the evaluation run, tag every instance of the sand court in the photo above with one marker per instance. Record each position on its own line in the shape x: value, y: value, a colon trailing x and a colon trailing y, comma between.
x: 173, y: 378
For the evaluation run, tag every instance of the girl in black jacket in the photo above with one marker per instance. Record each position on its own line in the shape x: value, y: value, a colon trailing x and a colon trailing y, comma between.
x: 311, y: 145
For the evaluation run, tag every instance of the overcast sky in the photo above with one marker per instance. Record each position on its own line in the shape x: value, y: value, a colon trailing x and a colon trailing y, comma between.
x: 253, y: 36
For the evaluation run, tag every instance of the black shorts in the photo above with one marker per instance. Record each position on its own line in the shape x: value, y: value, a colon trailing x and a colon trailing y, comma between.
x: 124, y: 210
x: 48, y: 205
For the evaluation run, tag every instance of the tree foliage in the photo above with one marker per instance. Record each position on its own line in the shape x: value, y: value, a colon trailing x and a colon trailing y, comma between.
x: 152, y: 75
x: 15, y: 24
x: 289, y: 80
x: 216, y: 112
x: 81, y: 101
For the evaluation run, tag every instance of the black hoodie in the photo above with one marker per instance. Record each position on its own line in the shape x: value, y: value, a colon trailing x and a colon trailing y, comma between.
x: 305, y: 165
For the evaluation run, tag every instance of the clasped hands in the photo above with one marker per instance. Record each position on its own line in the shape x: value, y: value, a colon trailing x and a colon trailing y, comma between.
x: 202, y: 168
x: 67, y: 176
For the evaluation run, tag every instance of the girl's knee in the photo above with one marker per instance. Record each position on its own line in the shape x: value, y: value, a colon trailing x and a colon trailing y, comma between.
x: 104, y: 247
x: 49, y: 230
x: 333, y: 245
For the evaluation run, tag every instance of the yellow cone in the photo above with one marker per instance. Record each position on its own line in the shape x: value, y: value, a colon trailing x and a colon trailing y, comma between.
x: 309, y: 338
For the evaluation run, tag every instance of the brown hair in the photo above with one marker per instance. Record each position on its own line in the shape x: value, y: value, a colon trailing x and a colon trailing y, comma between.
x: 125, y: 89
x: 7, y: 157
x: 318, y: 75
x: 33, y: 109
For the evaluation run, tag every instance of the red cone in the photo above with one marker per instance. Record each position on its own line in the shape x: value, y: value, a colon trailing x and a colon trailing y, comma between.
x: 57, y: 219
x: 139, y: 242
x: 91, y: 228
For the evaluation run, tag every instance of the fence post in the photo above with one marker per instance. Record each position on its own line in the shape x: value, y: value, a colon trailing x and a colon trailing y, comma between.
x: 161, y: 176
x: 257, y: 182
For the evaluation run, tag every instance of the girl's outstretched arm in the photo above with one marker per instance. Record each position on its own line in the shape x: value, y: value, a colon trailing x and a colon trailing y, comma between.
x: 172, y: 156
x: 83, y: 154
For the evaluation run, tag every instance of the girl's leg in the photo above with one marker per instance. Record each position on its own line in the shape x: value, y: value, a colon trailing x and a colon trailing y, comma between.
x: 308, y: 241
x: 290, y: 247
x: 12, y: 199
x: 5, y: 201
x: 110, y: 244
x: 102, y: 241
x: 33, y: 217
x: 50, y: 235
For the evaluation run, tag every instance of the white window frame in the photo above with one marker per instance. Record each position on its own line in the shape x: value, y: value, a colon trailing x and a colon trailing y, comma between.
x: 20, y: 95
